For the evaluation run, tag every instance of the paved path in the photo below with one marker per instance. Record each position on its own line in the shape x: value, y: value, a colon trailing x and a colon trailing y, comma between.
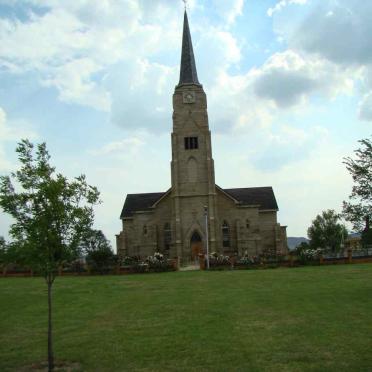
x: 190, y: 268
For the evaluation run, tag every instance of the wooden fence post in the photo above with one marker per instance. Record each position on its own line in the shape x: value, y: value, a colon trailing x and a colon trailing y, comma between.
x: 321, y: 259
x: 201, y: 261
x: 291, y: 260
x: 175, y: 264
x: 232, y: 261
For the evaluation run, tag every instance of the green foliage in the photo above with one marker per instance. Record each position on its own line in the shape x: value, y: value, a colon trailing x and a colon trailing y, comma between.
x: 306, y: 254
x: 3, y: 251
x: 10, y: 253
x: 301, y: 247
x: 51, y: 214
x: 367, y: 238
x: 100, y: 256
x: 327, y: 232
x: 359, y: 205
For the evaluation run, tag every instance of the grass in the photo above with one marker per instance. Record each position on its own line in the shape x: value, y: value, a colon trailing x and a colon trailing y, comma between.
x: 305, y: 319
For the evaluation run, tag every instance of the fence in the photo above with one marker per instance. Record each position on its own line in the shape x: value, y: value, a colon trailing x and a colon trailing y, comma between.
x: 172, y: 265
x: 360, y: 256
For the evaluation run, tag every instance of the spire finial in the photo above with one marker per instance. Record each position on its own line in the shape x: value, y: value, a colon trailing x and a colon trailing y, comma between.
x: 188, y: 74
x: 185, y: 2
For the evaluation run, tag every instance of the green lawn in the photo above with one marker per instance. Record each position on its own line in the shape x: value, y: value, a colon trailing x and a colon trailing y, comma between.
x: 304, y: 319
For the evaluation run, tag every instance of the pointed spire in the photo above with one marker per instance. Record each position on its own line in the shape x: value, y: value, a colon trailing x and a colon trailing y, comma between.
x: 188, y: 74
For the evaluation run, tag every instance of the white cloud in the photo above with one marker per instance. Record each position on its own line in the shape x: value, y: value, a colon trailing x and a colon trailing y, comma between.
x: 126, y: 147
x: 282, y: 4
x: 365, y: 107
x: 15, y: 130
x: 285, y: 81
x: 288, y: 78
x: 337, y: 30
x: 229, y: 10
x: 75, y: 83
x: 11, y: 132
x: 141, y: 94
x: 73, y: 44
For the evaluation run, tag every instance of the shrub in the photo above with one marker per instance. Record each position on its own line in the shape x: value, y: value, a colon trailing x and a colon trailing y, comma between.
x: 248, y: 260
x: 156, y: 263
x: 218, y: 260
x: 159, y: 263
x: 309, y: 255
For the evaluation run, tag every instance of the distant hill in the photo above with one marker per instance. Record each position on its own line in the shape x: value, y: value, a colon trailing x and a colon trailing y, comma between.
x: 293, y: 242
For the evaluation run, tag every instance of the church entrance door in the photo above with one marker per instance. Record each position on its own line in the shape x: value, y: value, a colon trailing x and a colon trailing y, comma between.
x: 196, y: 246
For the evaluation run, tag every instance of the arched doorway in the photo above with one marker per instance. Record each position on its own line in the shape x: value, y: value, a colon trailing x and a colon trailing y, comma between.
x: 196, y: 246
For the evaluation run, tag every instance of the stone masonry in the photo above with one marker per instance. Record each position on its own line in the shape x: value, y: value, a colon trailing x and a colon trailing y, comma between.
x: 173, y: 222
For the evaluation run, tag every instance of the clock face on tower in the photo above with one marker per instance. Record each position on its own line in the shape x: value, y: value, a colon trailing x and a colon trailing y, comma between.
x: 188, y: 97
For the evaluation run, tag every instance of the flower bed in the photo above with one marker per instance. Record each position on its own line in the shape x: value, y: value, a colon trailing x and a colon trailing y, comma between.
x: 219, y: 262
x: 259, y: 262
x: 156, y: 263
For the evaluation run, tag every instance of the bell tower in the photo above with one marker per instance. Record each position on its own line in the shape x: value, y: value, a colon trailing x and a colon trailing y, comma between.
x: 192, y: 166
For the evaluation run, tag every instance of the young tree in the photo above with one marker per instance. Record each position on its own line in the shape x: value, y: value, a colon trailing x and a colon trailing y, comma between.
x: 99, y: 254
x: 359, y: 206
x: 327, y: 232
x: 51, y: 215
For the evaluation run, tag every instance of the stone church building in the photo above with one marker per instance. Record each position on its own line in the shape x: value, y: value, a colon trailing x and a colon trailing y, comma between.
x: 179, y: 221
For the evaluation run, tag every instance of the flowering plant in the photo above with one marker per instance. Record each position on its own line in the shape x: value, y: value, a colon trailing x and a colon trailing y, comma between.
x: 158, y: 263
x: 309, y: 254
x: 216, y: 259
x: 248, y: 260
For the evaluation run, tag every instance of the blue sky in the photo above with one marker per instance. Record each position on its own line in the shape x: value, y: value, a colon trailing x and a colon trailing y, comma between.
x: 289, y: 87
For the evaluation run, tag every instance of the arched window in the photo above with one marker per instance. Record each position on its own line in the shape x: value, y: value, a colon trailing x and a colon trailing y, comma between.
x: 192, y: 169
x: 225, y: 235
x: 167, y: 236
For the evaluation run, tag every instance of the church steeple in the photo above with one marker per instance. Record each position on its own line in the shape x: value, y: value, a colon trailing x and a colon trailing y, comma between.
x: 188, y: 74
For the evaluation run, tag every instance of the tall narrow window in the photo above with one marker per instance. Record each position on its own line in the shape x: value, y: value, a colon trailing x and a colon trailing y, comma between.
x: 144, y: 230
x: 167, y: 236
x: 225, y: 235
x: 191, y: 143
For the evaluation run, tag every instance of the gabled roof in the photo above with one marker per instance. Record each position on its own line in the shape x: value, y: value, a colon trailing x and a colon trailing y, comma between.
x: 262, y: 196
x: 139, y: 202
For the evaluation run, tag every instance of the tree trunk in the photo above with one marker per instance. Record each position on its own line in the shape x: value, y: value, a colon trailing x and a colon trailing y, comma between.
x: 50, y: 340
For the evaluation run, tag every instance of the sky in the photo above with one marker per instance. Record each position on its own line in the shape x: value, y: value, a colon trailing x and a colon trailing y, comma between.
x: 288, y: 82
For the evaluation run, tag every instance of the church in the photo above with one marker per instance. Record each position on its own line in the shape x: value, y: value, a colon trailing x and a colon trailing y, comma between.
x: 194, y: 213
